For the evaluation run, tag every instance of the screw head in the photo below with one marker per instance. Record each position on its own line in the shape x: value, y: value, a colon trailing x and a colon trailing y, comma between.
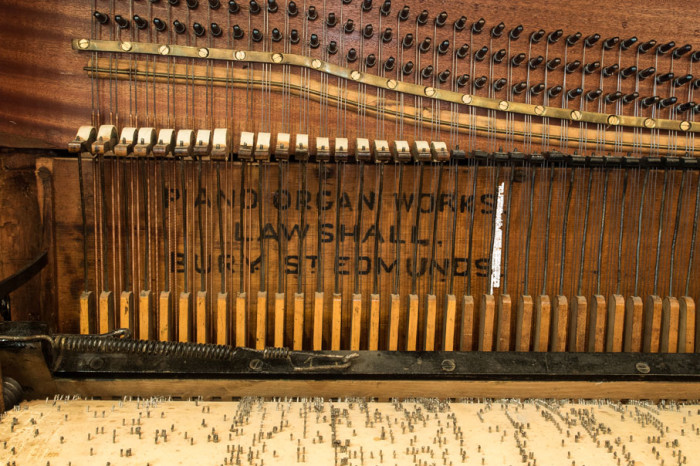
x: 391, y: 84
x: 575, y: 115
x: 83, y: 43
x: 539, y: 110
x: 126, y: 46
x: 685, y: 125
x: 467, y: 99
x: 642, y: 368
x: 613, y: 120
x: 277, y: 57
x: 316, y: 63
x: 448, y: 365
x: 239, y: 55
x: 255, y: 364
x: 503, y: 105
x: 164, y: 50
x: 649, y: 123
x: 203, y: 52
x: 430, y: 91
x: 355, y: 75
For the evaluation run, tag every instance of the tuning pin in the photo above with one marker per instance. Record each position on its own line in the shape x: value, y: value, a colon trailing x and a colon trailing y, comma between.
x: 370, y: 61
x: 389, y: 64
x: 311, y: 13
x: 696, y: 109
x: 349, y: 26
x: 610, y: 70
x: 649, y: 101
x: 272, y: 6
x: 140, y: 22
x: 174, y: 2
x: 571, y: 94
x: 366, y: 5
x: 681, y: 80
x: 518, y: 59
x: 682, y: 108
x: 695, y: 57
x: 462, y: 80
x: 625, y: 44
x: 535, y: 62
x: 497, y: 30
x: 192, y: 4
x: 332, y: 48
x: 612, y: 97
x: 276, y: 35
x: 554, y: 91
x: 480, y: 82
x: 198, y: 29
x: 294, y: 37
x: 680, y: 51
x: 663, y: 78
x: 427, y: 72
x: 478, y: 26
x: 591, y: 40
x: 665, y: 48
x: 214, y: 4
x: 591, y: 67
x: 573, y: 39
x: 537, y: 36
x: 386, y: 35
x: 593, y: 95
x: 407, y: 68
x: 629, y: 98
x: 233, y: 7
x: 499, y: 84
x: 404, y: 13
x: 553, y: 37
x: 553, y: 64
x: 667, y: 102
x: 386, y: 8
x: 646, y: 46
x: 254, y: 7
x: 179, y: 27
x: 461, y: 23
x: 425, y: 45
x: 537, y: 89
x: 351, y: 56
x: 499, y: 56
x: 292, y: 9
x: 122, y: 22
x: 571, y: 67
x: 443, y: 47
x: 407, y: 41
x: 257, y: 36
x: 237, y: 32
x: 480, y: 54
x: 610, y: 43
x: 331, y: 20
x: 519, y: 88
x: 368, y: 31
x: 463, y: 51
x: 441, y: 19
x: 422, y: 17
x: 627, y: 72
x: 444, y: 76
x: 101, y: 17
x: 644, y: 74
x: 515, y: 33
x: 159, y: 24
x: 313, y: 41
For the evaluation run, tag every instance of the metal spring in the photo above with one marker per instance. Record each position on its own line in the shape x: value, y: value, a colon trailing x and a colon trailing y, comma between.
x: 100, y: 344
x: 275, y: 353
x: 12, y: 392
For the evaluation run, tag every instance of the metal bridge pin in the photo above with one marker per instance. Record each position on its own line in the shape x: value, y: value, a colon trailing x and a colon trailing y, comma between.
x: 233, y: 7
x: 515, y: 33
x: 535, y: 62
x: 254, y: 7
x: 626, y: 44
x: 480, y: 54
x: 425, y: 45
x: 371, y: 60
x: 159, y: 24
x: 593, y: 95
x: 140, y: 22
x: 519, y: 88
x: 198, y: 29
x: 591, y: 40
x: 386, y: 35
x: 257, y: 36
x: 294, y: 36
x: 537, y: 36
x: 591, y: 67
x: 179, y: 27
x: 122, y: 22
x: 627, y: 72
x: 427, y: 72
x: 610, y: 43
x: 518, y: 59
x: 554, y: 36
x: 292, y: 9
x: 368, y: 31
x: 237, y: 32
x: 573, y: 93
x: 351, y: 56
x: 331, y: 21
x: 407, y: 68
x: 441, y: 19
x: 366, y: 5
x: 645, y: 73
x: 443, y: 47
x: 422, y: 17
x: 276, y: 35
x: 444, y: 76
x: 404, y: 13
x: 389, y: 64
x: 311, y: 13
x: 460, y: 23
x: 192, y: 4
x: 478, y: 26
x: 349, y: 26
x: 272, y: 6
x: 665, y: 48
x: 480, y: 82
x: 573, y: 39
x: 386, y: 8
x: 101, y: 17
x: 499, y: 84
x: 332, y: 48
x: 462, y: 80
x: 214, y: 4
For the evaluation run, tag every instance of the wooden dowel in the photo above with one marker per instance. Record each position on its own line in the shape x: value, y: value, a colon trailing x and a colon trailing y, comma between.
x: 523, y: 323
x: 261, y: 321
x: 616, y: 324
x: 487, y: 321
x: 373, y: 340
x: 318, y: 321
x: 686, y: 328
x: 165, y: 316
x: 145, y: 315
x: 336, y: 321
x: 298, y: 323
x: 394, y: 313
x: 596, y: 324
x: 448, y: 334
x: 222, y: 319
x: 126, y: 308
x: 543, y: 312
x: 201, y: 313
x: 87, y: 312
x: 652, y: 324
x: 633, y: 324
x: 430, y: 322
x: 504, y: 323
x: 466, y: 331
x: 412, y: 327
x: 105, y: 308
x: 560, y: 324
x: 240, y: 319
x: 183, y: 317
x: 669, y: 325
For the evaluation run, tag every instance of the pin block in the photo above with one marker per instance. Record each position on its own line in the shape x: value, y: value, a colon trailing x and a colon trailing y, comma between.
x: 363, y: 151
x: 166, y: 141
x: 106, y: 139
x: 184, y: 143
x: 323, y: 149
x: 202, y: 145
x: 144, y: 142
x: 83, y: 140
x: 127, y: 139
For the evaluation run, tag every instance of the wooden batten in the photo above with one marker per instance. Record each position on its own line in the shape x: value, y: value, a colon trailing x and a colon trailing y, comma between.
x: 523, y: 323
x: 687, y: 324
x: 596, y: 324
x: 240, y: 319
x: 126, y: 310
x: 201, y: 313
x: 466, y: 331
x: 165, y: 316
x: 614, y: 340
x: 317, y: 335
x: 652, y: 324
x: 87, y: 313
x: 448, y: 325
x: 298, y: 322
x: 373, y: 333
x: 503, y: 320
x: 543, y: 312
x: 223, y: 319
x: 577, y: 325
x: 429, y: 325
x: 184, y: 317
x: 394, y: 314
x: 336, y: 321
x: 355, y: 321
x: 412, y: 327
x: 261, y: 321
x: 669, y: 325
x: 279, y: 319
x: 105, y: 309
x: 145, y: 315
x: 559, y: 325
x: 487, y: 322
x: 634, y: 312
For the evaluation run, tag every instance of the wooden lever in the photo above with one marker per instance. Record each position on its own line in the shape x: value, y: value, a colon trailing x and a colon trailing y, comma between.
x: 430, y: 322
x: 298, y: 331
x: 523, y: 323
x: 317, y: 336
x: 652, y: 324
x: 222, y: 319
x: 373, y: 334
x: 165, y: 316
x: 184, y: 329
x: 279, y: 320
x: 355, y: 322
x: 412, y: 323
x: 126, y: 310
x: 466, y: 331
x: 687, y: 326
x: 560, y: 324
x: 87, y: 312
x: 145, y: 315
x: 633, y: 325
x: 504, y: 323
x: 261, y: 321
x: 616, y: 322
x: 240, y: 318
x: 336, y: 321
x: 596, y: 324
x: 201, y: 313
x: 448, y: 334
x: 543, y: 311
x: 487, y: 320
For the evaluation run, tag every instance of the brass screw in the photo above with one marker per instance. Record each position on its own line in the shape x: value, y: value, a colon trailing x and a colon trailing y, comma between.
x: 126, y: 46
x: 239, y: 55
x: 391, y: 84
x: 503, y: 105
x: 467, y: 99
x: 685, y: 125
x: 430, y: 91
x: 83, y: 43
x: 164, y: 50
x: 575, y: 115
x: 316, y: 63
x: 649, y: 123
x: 613, y: 120
x: 539, y: 110
x: 355, y: 75
x: 203, y: 52
x: 277, y: 57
